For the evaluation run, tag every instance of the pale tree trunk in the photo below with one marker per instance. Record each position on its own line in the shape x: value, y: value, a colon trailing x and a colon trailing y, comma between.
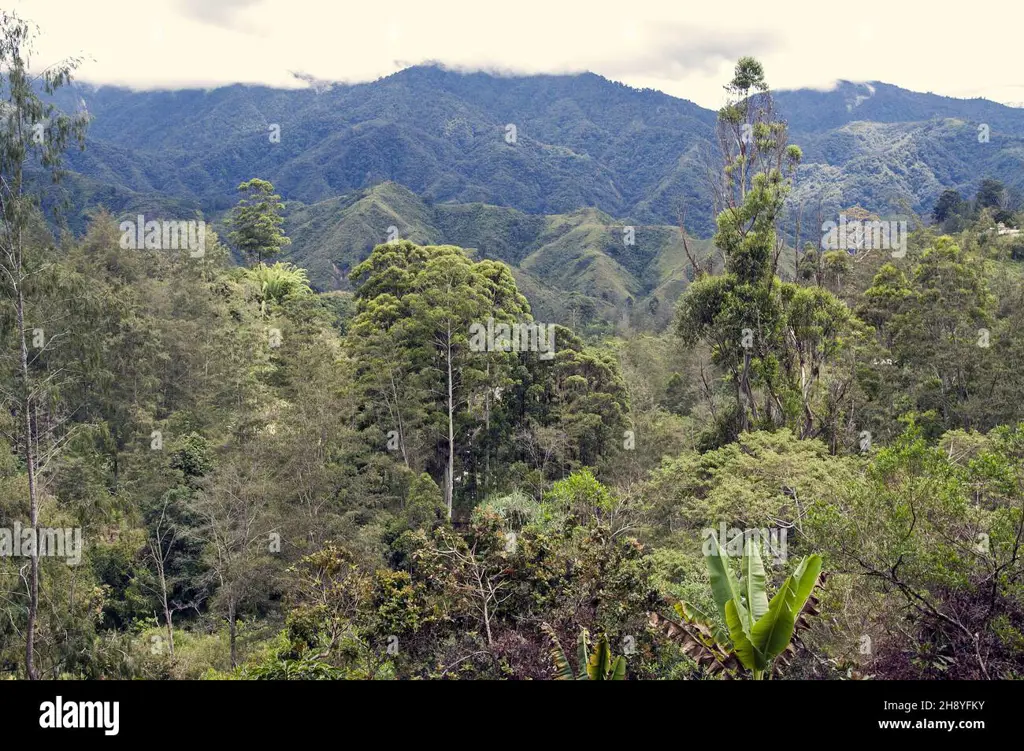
x: 401, y: 425
x: 748, y: 394
x: 487, y: 620
x: 487, y: 428
x: 232, y: 632
x: 170, y: 628
x: 449, y: 490
x: 163, y: 597
x: 796, y: 245
x: 33, y: 511
x: 159, y: 555
x: 743, y: 171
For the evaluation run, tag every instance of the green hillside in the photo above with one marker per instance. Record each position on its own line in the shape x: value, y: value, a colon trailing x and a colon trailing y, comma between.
x: 577, y: 264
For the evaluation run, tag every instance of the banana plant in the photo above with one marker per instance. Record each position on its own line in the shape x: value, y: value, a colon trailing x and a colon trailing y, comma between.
x: 758, y: 630
x: 597, y: 664
x: 700, y: 638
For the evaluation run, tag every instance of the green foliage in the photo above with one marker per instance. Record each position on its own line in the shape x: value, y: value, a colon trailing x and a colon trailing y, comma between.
x: 595, y: 664
x: 279, y: 282
x: 424, y: 505
x: 256, y: 222
x: 772, y: 340
x: 448, y: 409
x: 758, y: 631
x: 759, y: 480
x: 933, y: 534
x: 938, y: 324
x: 516, y: 510
x: 580, y: 496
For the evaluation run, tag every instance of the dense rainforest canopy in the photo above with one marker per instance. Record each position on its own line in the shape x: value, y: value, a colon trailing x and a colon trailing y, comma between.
x: 812, y: 468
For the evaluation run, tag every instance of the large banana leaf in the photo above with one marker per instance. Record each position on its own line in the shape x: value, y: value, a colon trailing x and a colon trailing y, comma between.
x: 600, y: 661
x: 742, y: 645
x: 563, y: 670
x: 806, y: 582
x: 805, y: 578
x: 724, y: 586
x: 772, y: 632
x: 754, y: 582
x: 618, y: 669
x: 809, y: 610
x: 583, y: 653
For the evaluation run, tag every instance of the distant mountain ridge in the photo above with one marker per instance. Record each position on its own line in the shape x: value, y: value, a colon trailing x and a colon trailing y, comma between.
x: 581, y: 140
x: 501, y: 163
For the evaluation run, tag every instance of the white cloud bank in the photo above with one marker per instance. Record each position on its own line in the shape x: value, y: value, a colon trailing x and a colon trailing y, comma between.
x: 683, y: 48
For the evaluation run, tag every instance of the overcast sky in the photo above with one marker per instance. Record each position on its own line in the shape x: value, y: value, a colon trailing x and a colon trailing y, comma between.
x: 683, y: 48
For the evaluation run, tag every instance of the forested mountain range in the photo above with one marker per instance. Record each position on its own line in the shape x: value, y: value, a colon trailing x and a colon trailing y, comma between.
x: 579, y: 142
